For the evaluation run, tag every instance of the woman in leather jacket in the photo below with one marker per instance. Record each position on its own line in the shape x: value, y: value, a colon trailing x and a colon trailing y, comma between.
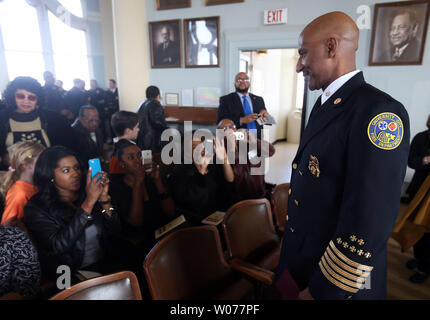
x: 70, y: 220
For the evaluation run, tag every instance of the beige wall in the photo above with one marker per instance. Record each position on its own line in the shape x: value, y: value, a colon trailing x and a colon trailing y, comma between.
x: 131, y: 51
x: 108, y: 40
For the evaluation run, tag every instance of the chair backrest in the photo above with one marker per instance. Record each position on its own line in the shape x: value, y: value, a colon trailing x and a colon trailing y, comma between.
x: 118, y: 286
x: 280, y: 197
x: 187, y: 264
x: 248, y: 229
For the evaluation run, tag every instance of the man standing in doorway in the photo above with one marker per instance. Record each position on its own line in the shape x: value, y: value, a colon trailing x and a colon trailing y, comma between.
x: 347, y: 174
x: 242, y: 107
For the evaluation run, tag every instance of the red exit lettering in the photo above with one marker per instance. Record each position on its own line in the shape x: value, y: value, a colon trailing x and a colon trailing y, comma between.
x: 274, y: 16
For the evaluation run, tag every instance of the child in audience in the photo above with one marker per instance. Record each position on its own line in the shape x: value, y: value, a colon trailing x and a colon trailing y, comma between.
x: 140, y: 196
x: 17, y: 186
x: 125, y: 124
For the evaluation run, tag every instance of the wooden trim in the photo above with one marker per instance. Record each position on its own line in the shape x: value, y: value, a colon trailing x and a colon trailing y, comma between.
x: 63, y: 295
x: 161, y: 6
x: 217, y: 2
x: 200, y: 115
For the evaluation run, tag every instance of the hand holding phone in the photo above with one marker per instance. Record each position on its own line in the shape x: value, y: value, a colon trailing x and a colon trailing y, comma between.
x: 95, y: 166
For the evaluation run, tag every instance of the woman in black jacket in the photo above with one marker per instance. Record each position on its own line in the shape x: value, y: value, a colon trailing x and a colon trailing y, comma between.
x: 70, y: 222
x: 23, y: 119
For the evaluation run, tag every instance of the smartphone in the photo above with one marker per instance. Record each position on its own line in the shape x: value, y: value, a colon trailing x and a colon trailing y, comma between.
x: 95, y: 166
x: 146, y: 156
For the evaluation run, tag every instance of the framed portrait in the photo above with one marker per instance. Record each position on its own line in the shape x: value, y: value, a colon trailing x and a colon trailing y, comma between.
x: 201, y: 42
x: 166, y: 46
x: 173, y: 4
x: 215, y: 2
x: 399, y: 33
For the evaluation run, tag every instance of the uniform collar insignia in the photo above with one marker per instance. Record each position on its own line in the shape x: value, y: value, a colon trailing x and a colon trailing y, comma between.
x: 314, y: 166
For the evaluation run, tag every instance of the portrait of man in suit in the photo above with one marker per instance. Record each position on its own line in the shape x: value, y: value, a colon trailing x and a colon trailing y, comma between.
x: 400, y: 33
x: 165, y: 44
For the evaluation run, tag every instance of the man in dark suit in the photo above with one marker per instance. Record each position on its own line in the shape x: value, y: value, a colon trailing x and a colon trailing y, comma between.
x: 76, y: 98
x: 404, y: 45
x: 242, y: 107
x: 88, y: 137
x: 167, y: 52
x: 347, y: 174
x: 54, y: 99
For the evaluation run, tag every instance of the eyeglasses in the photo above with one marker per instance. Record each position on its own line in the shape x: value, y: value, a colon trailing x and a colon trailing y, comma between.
x: 242, y: 80
x: 229, y: 127
x: 21, y: 96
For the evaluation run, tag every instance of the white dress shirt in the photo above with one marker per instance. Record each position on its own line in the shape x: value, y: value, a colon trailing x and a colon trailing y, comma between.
x: 336, y: 84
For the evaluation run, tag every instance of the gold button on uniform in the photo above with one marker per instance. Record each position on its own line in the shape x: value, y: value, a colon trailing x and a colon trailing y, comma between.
x: 292, y: 229
x: 286, y: 218
x: 289, y: 191
x: 294, y: 166
x: 337, y: 101
x: 296, y: 202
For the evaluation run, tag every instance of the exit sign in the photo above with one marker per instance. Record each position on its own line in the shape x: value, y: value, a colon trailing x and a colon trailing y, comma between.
x: 276, y: 16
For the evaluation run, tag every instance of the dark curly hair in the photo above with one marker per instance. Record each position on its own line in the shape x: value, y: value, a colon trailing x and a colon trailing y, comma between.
x: 26, y: 83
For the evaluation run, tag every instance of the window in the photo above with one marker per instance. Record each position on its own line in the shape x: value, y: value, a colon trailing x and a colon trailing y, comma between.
x: 70, y: 52
x: 21, y: 37
x: 22, y: 40
x: 74, y: 6
x: 300, y: 91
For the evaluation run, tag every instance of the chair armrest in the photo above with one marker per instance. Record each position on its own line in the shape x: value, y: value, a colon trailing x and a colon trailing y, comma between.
x: 260, y: 274
x: 11, y: 296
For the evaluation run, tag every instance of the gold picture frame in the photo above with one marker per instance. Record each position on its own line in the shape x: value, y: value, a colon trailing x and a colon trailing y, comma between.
x: 399, y: 33
x: 217, y: 2
x: 202, y: 42
x: 166, y: 43
x: 173, y: 4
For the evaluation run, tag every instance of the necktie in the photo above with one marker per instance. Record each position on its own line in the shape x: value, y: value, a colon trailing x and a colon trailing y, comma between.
x: 248, y: 110
x: 396, y: 54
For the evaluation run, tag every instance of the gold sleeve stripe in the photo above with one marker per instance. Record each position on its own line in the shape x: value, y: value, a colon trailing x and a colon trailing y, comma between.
x: 335, y: 282
x: 348, y: 261
x: 339, y: 277
x: 345, y: 266
x: 342, y: 272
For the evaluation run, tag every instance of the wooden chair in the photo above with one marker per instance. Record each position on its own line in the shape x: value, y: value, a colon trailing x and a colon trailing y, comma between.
x: 251, y: 238
x: 118, y: 286
x: 189, y: 264
x: 280, y: 197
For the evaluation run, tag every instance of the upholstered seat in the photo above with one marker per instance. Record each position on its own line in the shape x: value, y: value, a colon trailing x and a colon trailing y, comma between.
x: 250, y: 234
x: 189, y: 264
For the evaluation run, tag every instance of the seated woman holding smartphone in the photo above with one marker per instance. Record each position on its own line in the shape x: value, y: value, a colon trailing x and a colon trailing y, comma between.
x: 71, y: 219
x: 139, y: 195
x: 199, y: 189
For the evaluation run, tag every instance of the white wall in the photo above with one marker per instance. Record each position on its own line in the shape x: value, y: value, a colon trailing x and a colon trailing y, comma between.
x: 242, y: 28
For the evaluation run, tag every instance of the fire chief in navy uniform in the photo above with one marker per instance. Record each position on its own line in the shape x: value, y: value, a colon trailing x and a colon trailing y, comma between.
x: 347, y: 173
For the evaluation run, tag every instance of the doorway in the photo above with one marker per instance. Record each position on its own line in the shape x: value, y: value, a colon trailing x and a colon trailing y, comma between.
x: 273, y: 77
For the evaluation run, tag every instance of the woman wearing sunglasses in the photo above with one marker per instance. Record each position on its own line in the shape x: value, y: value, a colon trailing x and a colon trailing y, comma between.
x: 25, y: 120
